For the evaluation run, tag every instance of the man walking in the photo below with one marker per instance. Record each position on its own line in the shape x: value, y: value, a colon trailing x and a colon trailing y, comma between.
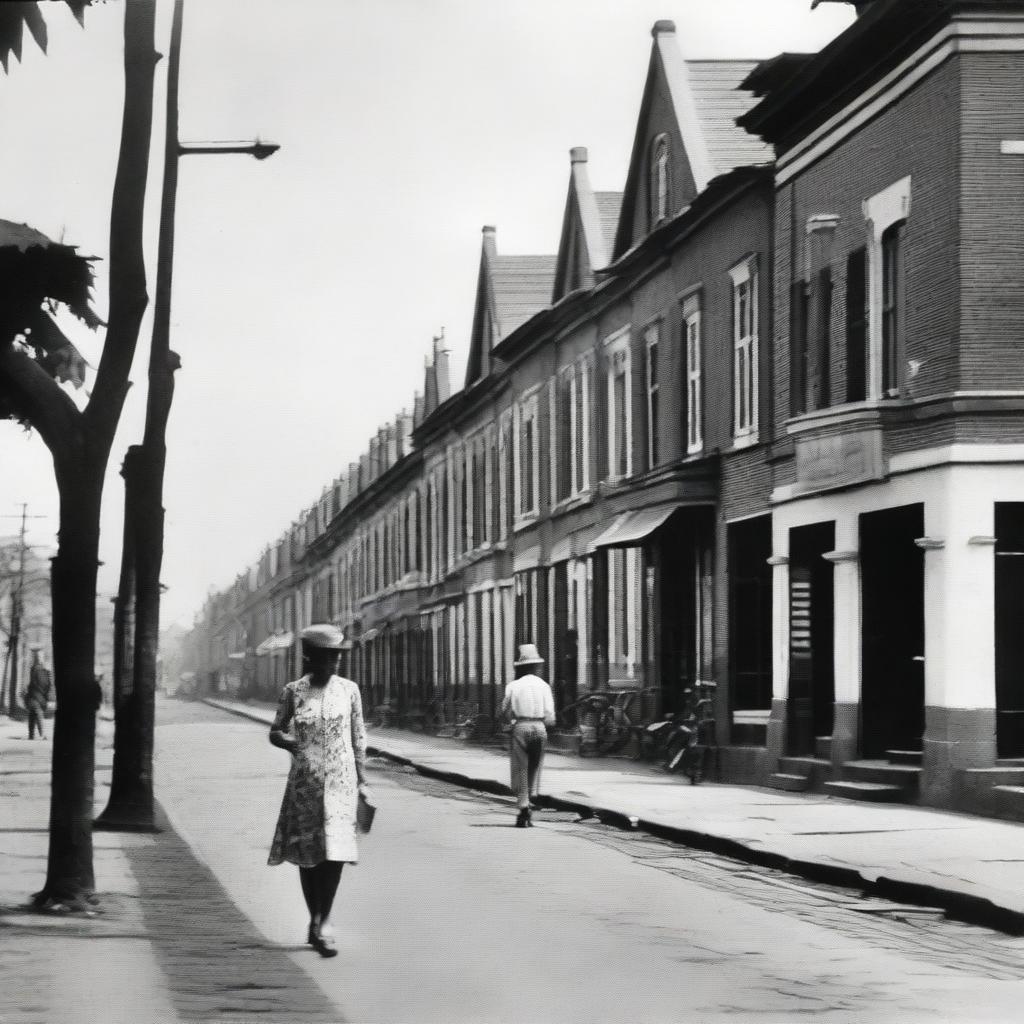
x: 529, y: 702
x: 37, y: 694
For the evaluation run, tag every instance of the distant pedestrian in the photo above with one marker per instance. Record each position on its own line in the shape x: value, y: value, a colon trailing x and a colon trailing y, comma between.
x: 37, y: 694
x: 529, y: 702
x: 320, y: 723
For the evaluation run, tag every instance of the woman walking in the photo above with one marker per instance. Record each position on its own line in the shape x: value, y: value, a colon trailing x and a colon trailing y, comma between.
x: 320, y: 723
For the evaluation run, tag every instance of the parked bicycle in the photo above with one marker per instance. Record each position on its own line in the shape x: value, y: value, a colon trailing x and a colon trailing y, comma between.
x: 603, y: 720
x: 689, y: 746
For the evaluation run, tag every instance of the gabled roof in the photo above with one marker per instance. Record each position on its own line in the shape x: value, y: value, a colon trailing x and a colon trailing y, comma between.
x: 884, y: 34
x: 509, y: 290
x: 704, y: 101
x: 588, y: 230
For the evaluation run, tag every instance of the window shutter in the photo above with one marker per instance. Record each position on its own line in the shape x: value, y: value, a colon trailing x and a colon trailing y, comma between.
x: 821, y: 366
x: 856, y: 326
x: 798, y: 351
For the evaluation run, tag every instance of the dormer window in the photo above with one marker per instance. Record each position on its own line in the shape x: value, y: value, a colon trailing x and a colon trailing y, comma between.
x: 659, y: 180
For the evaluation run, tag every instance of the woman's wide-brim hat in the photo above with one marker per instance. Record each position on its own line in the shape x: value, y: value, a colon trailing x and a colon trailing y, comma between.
x: 322, y: 636
x: 528, y: 655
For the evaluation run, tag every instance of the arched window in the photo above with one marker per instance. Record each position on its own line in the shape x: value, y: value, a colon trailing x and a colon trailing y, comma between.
x: 659, y: 180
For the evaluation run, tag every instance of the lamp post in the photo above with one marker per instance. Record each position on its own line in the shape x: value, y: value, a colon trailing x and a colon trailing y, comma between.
x: 131, y: 804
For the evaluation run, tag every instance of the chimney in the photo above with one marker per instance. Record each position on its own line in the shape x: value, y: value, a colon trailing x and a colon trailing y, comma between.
x: 578, y: 155
x: 417, y: 409
x: 490, y: 234
x: 403, y: 434
x: 663, y: 28
x: 354, y: 483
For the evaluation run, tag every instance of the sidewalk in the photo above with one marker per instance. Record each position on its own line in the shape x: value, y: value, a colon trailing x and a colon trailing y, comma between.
x: 972, y: 867
x: 147, y: 968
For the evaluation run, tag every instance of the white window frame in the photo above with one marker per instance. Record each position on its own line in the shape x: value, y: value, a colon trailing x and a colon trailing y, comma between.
x: 617, y: 356
x: 527, y: 410
x: 881, y: 212
x: 745, y: 354
x: 693, y: 357
x: 581, y: 416
x: 624, y: 604
x: 652, y: 387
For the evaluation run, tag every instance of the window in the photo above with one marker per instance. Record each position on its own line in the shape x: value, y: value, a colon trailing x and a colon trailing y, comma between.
x: 623, y: 613
x: 892, y: 291
x: 652, y: 384
x: 527, y: 466
x: 620, y: 422
x: 507, y: 472
x: 886, y: 216
x: 659, y: 180
x: 572, y: 430
x: 694, y: 390
x: 563, y: 435
x: 745, y: 351
x: 856, y: 326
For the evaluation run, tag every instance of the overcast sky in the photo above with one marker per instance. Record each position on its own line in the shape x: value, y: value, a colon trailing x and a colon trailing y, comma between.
x: 307, y: 287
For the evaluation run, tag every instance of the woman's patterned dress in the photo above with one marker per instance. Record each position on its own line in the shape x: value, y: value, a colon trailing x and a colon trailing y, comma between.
x: 318, y: 814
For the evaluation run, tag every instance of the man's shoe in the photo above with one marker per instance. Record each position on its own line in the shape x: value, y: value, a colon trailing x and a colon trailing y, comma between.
x: 326, y: 946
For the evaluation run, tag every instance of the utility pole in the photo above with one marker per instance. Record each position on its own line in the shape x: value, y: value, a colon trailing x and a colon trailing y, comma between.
x: 14, y: 641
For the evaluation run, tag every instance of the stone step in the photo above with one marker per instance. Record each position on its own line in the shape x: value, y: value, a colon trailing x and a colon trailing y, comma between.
x: 904, y: 756
x: 823, y: 747
x: 905, y: 776
x: 788, y: 782
x: 1009, y: 775
x: 875, y: 791
x: 815, y: 769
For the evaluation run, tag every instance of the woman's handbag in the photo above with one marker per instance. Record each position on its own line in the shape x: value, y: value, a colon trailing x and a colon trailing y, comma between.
x: 365, y: 812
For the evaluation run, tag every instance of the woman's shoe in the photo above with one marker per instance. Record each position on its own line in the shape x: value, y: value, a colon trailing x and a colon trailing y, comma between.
x: 523, y: 820
x: 325, y: 945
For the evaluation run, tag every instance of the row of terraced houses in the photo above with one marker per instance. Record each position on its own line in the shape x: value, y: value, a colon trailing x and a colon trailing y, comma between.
x: 759, y: 421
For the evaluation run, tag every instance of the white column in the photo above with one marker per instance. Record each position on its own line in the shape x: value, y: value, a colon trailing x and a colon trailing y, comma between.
x: 959, y: 587
x: 780, y: 629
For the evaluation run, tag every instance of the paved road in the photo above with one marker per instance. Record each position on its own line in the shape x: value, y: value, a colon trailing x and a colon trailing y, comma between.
x: 453, y: 915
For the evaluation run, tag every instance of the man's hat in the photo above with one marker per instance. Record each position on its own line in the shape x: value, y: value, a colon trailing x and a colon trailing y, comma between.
x: 322, y: 636
x: 528, y: 655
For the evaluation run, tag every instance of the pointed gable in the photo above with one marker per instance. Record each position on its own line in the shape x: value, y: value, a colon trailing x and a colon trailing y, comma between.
x: 686, y: 135
x: 509, y: 290
x: 588, y: 229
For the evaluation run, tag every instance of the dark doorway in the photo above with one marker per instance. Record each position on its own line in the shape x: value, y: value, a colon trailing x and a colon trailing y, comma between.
x: 750, y: 614
x: 677, y: 594
x: 811, y: 636
x: 1009, y: 628
x: 892, y: 621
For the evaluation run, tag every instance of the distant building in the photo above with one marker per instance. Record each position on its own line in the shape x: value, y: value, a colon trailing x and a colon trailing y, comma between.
x: 758, y: 421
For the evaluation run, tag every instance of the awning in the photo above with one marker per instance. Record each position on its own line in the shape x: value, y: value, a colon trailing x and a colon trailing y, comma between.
x: 528, y: 559
x: 633, y: 528
x: 277, y: 642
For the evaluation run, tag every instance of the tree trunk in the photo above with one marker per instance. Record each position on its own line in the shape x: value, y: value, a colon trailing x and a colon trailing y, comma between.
x: 131, y: 803
x: 80, y: 450
x: 69, y: 876
x: 130, y: 806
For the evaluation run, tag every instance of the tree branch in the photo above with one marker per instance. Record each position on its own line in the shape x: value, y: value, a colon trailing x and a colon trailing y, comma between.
x: 38, y: 399
x: 128, y: 295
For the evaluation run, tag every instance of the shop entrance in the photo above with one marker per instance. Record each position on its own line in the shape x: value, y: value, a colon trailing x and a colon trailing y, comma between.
x: 1009, y: 628
x: 892, y: 621
x: 811, y: 637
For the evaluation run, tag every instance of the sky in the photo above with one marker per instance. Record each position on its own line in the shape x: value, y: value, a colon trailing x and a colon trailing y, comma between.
x: 308, y: 287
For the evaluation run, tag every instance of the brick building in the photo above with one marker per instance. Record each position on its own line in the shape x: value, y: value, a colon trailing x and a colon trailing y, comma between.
x: 757, y: 421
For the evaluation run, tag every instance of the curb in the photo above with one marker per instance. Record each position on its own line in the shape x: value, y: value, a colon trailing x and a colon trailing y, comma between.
x: 957, y: 906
